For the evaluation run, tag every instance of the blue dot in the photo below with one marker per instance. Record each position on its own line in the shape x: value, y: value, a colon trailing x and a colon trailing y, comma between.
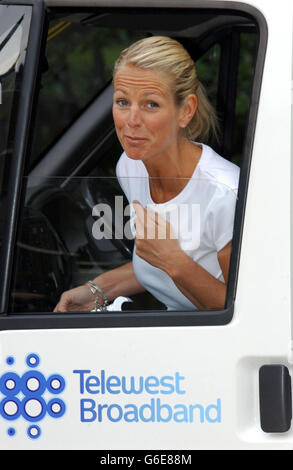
x: 10, y: 384
x: 56, y: 408
x: 55, y: 384
x: 10, y: 431
x: 34, y: 431
x: 33, y: 383
x: 29, y: 402
x: 10, y: 360
x: 33, y: 360
x: 5, y: 408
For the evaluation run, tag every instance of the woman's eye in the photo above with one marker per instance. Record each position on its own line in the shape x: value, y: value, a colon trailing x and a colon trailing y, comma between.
x: 122, y: 102
x: 152, y: 105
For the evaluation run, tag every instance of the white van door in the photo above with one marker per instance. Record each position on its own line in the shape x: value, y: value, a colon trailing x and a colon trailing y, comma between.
x: 139, y: 376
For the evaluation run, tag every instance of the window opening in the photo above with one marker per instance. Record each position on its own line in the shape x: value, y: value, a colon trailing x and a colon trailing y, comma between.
x: 60, y: 244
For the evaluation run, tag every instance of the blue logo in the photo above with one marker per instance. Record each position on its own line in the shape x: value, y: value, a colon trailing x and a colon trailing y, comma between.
x: 24, y: 396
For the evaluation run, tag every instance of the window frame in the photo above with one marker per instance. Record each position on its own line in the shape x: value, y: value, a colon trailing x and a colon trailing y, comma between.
x: 21, y: 142
x: 137, y: 318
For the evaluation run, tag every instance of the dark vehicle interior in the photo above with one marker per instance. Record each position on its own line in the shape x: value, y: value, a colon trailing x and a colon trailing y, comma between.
x: 74, y: 152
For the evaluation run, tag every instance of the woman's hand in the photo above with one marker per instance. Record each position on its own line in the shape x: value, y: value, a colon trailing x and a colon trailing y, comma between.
x: 79, y: 299
x: 155, y: 238
x: 197, y: 284
x: 118, y: 281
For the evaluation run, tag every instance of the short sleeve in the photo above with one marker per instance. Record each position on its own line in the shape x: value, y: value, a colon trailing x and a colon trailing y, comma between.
x: 221, y: 218
x: 121, y: 176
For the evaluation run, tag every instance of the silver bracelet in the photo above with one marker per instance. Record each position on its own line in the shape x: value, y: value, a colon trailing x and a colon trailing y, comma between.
x: 95, y: 289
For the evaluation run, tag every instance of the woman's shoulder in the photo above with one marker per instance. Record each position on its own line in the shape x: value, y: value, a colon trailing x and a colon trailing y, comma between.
x: 219, y: 169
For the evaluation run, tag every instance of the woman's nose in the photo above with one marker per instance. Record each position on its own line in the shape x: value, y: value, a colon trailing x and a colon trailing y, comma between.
x: 134, y: 118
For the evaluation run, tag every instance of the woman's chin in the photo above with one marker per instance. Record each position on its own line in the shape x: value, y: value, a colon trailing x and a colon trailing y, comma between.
x: 134, y: 154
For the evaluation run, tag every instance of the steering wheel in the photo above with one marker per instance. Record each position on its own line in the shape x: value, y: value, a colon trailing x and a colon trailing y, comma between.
x: 104, y: 191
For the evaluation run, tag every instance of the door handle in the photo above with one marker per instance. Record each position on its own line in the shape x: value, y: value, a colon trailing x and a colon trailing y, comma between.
x: 275, y: 398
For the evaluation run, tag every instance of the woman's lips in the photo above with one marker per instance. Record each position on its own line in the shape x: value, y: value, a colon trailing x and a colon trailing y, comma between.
x: 134, y: 139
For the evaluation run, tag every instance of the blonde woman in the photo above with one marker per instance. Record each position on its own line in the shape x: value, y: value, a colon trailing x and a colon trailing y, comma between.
x: 161, y: 113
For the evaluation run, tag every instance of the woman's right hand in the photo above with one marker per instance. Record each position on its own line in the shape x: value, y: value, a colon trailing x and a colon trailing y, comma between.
x: 79, y: 299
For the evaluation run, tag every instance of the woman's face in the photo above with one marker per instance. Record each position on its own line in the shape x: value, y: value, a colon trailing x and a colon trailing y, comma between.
x: 146, y: 118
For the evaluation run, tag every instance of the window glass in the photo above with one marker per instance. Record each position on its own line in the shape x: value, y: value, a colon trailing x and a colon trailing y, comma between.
x: 208, y: 67
x: 60, y: 244
x: 14, y: 29
x: 78, y: 64
x: 247, y: 54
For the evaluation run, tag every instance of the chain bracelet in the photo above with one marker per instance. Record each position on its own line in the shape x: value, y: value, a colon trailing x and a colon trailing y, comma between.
x: 95, y: 290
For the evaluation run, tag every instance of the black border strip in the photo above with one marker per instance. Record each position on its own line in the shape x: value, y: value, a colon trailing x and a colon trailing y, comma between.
x: 154, y: 319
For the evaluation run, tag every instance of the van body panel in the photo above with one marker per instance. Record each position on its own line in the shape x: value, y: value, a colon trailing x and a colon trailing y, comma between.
x: 197, y: 387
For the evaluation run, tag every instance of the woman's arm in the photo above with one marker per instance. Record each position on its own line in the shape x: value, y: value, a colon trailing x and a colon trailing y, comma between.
x: 118, y: 281
x: 197, y: 284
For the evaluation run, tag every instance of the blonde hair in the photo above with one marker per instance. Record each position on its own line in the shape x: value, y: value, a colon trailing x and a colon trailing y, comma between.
x: 164, y: 54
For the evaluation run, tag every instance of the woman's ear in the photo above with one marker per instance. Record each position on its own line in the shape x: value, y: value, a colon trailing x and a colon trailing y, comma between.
x: 187, y: 110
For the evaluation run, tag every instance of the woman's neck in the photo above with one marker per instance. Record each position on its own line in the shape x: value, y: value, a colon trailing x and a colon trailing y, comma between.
x: 170, y: 173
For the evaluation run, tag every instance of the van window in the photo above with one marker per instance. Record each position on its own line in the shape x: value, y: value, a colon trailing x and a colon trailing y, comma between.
x: 14, y: 27
x: 72, y: 168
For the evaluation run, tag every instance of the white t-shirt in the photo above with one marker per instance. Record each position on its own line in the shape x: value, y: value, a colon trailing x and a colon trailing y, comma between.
x: 201, y: 215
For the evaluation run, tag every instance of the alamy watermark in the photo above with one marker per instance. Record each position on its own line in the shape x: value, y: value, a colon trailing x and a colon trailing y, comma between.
x: 181, y: 221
